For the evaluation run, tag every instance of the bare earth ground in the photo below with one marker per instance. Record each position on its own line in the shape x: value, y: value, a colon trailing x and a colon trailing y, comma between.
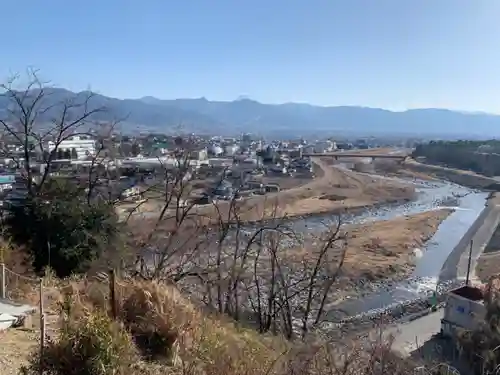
x: 17, y: 345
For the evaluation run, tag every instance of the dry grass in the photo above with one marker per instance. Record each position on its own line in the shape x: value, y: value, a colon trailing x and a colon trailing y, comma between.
x: 172, y: 329
x: 355, y: 190
x: 186, y: 341
x: 380, y: 248
x: 169, y: 332
x: 488, y: 265
x: 384, y: 249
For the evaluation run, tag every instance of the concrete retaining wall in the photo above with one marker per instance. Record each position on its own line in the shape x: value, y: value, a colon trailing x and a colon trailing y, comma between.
x: 450, y: 266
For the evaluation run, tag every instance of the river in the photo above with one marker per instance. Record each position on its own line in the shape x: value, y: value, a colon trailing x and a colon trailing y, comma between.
x: 467, y: 205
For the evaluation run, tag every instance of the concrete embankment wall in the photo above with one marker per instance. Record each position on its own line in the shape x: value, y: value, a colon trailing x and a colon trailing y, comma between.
x: 450, y: 266
x: 458, y: 177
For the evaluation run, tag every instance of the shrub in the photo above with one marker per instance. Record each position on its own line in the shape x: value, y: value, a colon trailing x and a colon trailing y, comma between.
x: 91, y: 344
x: 153, y: 317
x: 62, y: 230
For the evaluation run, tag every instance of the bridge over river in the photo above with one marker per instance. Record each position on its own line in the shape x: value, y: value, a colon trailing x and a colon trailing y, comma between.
x: 350, y: 155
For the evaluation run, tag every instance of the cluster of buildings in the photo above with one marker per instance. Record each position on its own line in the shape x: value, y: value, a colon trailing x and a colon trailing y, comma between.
x: 229, y: 164
x: 244, y: 160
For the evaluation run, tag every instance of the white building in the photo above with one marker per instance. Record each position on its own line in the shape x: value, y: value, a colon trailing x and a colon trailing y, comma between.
x: 83, y: 147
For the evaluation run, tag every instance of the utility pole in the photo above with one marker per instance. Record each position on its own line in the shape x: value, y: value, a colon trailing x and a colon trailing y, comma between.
x: 468, y: 264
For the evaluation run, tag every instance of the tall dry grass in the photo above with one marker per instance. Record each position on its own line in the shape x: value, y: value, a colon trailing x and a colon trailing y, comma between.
x: 158, y: 331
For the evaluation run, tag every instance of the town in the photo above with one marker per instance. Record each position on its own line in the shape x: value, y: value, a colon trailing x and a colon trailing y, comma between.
x: 221, y: 167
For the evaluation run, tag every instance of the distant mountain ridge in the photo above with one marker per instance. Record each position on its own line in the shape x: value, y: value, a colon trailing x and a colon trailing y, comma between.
x: 246, y: 115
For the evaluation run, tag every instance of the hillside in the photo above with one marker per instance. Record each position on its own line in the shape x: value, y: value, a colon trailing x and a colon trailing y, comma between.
x: 203, y: 115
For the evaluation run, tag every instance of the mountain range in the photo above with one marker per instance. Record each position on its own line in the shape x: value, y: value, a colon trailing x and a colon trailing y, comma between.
x: 246, y: 115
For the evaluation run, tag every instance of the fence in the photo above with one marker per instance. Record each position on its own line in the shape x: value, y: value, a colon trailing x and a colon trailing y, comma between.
x: 16, y: 288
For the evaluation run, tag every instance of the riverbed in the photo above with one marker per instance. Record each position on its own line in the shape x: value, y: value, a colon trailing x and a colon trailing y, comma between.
x: 429, y: 196
x: 467, y: 205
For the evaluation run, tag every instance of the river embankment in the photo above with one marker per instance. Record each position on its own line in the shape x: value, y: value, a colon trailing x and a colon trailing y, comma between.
x: 407, y: 295
x: 464, y: 178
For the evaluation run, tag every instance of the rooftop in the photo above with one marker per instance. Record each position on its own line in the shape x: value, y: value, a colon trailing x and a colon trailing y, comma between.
x: 469, y: 292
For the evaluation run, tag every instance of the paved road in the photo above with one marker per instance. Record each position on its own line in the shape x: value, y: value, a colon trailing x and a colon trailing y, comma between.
x: 412, y: 335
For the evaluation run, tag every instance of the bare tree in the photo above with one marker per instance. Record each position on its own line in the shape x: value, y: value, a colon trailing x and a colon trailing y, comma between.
x: 169, y: 248
x: 287, y: 291
x: 37, y: 120
x: 251, y: 271
x: 236, y: 245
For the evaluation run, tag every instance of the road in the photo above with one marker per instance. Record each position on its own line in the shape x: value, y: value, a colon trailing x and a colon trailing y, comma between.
x: 410, y: 336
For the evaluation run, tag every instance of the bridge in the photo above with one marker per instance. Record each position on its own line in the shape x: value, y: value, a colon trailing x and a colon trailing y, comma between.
x: 346, y: 155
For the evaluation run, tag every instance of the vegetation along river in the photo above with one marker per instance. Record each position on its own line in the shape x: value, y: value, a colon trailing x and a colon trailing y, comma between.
x: 467, y: 205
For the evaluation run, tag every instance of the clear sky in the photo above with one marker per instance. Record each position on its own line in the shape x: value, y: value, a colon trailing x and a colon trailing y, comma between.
x: 393, y: 54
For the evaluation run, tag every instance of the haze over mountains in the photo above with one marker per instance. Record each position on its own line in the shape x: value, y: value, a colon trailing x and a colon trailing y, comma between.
x: 246, y: 115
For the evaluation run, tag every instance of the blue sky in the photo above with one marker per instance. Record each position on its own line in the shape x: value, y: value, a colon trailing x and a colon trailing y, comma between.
x: 393, y: 54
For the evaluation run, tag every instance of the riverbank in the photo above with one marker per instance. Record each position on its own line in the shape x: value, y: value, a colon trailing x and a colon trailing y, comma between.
x: 335, y: 190
x: 379, y: 251
x: 343, y: 190
x: 488, y: 263
x: 461, y: 177
x: 410, y: 295
x: 414, y: 301
x: 388, y: 249
x: 474, y: 242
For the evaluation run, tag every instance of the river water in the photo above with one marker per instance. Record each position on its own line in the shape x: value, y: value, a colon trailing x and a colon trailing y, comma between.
x: 467, y: 205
